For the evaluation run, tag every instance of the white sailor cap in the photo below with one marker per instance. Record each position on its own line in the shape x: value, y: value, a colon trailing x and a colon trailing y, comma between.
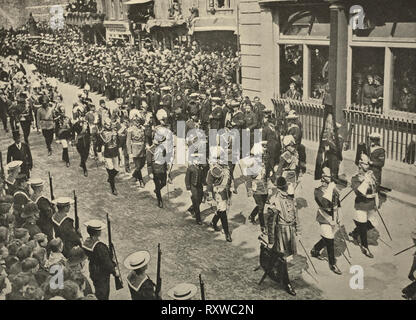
x: 36, y: 182
x: 137, y: 260
x: 14, y: 165
x: 96, y: 225
x: 63, y: 201
x: 183, y: 291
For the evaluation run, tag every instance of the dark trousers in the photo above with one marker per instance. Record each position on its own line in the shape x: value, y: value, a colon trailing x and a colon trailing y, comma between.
x: 84, y: 152
x: 26, y: 130
x: 48, y: 134
x: 330, y: 247
x: 196, y: 198
x: 102, y: 287
x: 221, y: 215
x: 139, y: 163
x: 361, y: 229
x: 260, y: 200
x: 160, y: 181
x: 3, y: 117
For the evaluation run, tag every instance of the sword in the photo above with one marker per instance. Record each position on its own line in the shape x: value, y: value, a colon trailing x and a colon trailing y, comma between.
x: 404, y: 250
x: 346, y: 195
x: 307, y: 255
x: 385, y: 226
x: 345, y: 242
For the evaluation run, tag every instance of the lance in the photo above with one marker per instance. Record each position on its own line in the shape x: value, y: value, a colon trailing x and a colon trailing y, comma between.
x: 307, y: 255
x: 404, y: 250
x: 382, y: 220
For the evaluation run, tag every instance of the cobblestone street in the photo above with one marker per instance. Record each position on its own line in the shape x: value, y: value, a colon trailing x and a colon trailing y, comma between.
x: 189, y: 249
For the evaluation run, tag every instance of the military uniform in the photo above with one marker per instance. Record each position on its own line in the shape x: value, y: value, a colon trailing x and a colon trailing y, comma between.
x: 194, y: 183
x: 377, y: 158
x: 100, y: 266
x: 136, y: 145
x: 157, y: 166
x: 109, y: 139
x: 64, y: 229
x: 287, y: 168
x: 20, y: 200
x: 327, y: 198
x: 83, y: 142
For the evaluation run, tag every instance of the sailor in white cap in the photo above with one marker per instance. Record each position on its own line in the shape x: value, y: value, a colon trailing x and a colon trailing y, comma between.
x: 327, y: 198
x: 64, y: 225
x: 12, y: 170
x: 289, y: 161
x: 45, y: 207
x: 140, y: 285
x: 364, y: 185
x: 377, y: 156
x: 183, y: 291
x: 294, y: 127
x: 101, y: 266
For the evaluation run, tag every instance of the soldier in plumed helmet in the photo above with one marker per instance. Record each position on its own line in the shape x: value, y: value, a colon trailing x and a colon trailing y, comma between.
x: 364, y: 184
x: 377, y: 156
x: 283, y: 227
x: 109, y: 140
x: 288, y: 163
x: 327, y: 198
x: 136, y: 144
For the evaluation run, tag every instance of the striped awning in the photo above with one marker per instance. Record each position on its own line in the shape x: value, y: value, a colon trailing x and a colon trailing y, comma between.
x: 215, y: 23
x: 136, y: 2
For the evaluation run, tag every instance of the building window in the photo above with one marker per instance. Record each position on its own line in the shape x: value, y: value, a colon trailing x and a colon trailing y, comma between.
x: 313, y: 22
x: 404, y: 80
x: 291, y: 71
x: 367, y: 79
x: 113, y: 10
x: 319, y: 71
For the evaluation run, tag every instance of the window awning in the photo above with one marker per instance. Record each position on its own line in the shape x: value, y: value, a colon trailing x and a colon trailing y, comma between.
x: 216, y: 23
x: 163, y: 23
x: 137, y: 2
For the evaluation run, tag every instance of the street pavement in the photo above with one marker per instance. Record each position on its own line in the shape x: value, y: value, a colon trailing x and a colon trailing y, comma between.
x: 227, y: 268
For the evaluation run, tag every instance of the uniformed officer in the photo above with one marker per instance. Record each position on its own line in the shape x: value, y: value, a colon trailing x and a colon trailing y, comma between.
x: 332, y: 152
x: 364, y: 185
x: 218, y: 184
x: 217, y: 116
x: 194, y: 184
x: 183, y: 291
x: 327, y: 198
x: 283, y: 227
x: 46, y: 209
x: 273, y: 146
x: 140, y: 285
x: 157, y: 165
x: 250, y: 121
x: 64, y: 225
x: 109, y: 140
x: 377, y: 157
x: 288, y: 163
x: 20, y: 151
x: 101, y: 266
x: 136, y: 144
x: 83, y: 142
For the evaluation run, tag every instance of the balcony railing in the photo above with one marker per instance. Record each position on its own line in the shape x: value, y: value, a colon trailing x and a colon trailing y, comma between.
x: 84, y: 18
x: 396, y: 133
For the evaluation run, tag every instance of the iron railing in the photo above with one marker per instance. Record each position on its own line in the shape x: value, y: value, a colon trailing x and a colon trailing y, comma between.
x: 396, y: 133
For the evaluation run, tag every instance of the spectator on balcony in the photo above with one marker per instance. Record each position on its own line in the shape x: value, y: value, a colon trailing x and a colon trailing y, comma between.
x: 293, y: 93
x: 368, y: 91
x: 407, y: 100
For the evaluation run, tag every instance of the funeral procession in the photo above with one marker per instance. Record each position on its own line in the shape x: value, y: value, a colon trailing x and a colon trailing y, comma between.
x: 207, y: 150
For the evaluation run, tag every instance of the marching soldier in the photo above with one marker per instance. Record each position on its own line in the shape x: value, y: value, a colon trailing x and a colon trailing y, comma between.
x: 83, y: 143
x: 64, y: 225
x: 109, y: 140
x: 288, y: 163
x: 282, y: 228
x: 45, y: 207
x: 156, y: 159
x: 364, y: 185
x: 332, y: 154
x: 194, y: 185
x: 140, y: 285
x: 121, y: 117
x: 94, y: 123
x: 136, y: 144
x: 327, y: 198
x: 152, y: 99
x: 20, y: 151
x: 218, y: 184
x: 270, y: 136
x: 65, y: 134
x: 250, y: 121
x: 101, y: 266
x: 46, y: 123
x: 377, y: 157
x: 258, y: 188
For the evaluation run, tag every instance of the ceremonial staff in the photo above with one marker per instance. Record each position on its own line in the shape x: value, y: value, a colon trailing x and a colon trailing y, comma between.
x: 384, y: 224
x: 117, y: 279
x: 404, y: 250
x: 76, y: 212
x: 158, y: 277
x: 202, y: 286
x: 51, y: 186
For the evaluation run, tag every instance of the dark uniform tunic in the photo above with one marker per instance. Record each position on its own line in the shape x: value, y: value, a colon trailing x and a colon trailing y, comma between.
x: 377, y: 158
x: 23, y: 154
x: 141, y: 288
x: 64, y: 229
x: 100, y: 266
x: 157, y: 166
x: 45, y: 216
x: 194, y: 183
x: 20, y: 200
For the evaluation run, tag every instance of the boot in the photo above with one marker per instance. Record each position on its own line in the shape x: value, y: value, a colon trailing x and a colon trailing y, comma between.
x: 285, y: 278
x: 253, y: 214
x: 290, y: 290
x: 335, y: 269
x: 65, y: 156
x: 128, y: 167
x: 316, y: 250
x: 214, y: 222
x: 224, y: 222
x: 160, y: 203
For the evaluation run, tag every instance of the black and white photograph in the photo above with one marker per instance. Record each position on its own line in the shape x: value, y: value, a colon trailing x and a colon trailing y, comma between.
x: 237, y: 151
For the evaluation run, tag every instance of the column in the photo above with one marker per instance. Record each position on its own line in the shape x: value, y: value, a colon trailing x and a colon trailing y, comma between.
x: 338, y: 55
x: 267, y: 59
